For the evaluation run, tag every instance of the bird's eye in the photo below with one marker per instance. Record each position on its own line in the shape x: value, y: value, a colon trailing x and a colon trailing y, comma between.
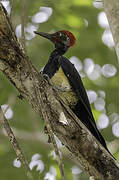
x: 63, y: 37
x: 60, y: 34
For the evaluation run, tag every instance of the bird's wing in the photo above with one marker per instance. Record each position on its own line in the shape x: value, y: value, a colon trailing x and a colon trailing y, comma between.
x: 76, y: 83
x: 84, y: 106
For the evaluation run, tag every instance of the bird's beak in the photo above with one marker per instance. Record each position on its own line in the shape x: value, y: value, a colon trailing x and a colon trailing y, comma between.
x: 45, y: 35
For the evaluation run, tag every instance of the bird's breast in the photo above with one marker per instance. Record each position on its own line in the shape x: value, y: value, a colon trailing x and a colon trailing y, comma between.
x: 65, y: 91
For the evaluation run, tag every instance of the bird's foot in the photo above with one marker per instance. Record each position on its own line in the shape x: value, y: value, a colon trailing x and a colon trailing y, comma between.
x: 46, y: 77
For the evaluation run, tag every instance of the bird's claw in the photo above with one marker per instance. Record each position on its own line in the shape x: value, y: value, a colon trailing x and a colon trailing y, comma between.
x: 46, y: 77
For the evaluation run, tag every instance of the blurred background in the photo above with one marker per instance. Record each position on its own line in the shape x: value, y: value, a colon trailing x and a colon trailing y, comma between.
x: 95, y: 59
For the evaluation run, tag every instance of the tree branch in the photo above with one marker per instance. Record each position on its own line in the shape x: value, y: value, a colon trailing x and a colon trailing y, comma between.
x: 88, y: 152
x: 112, y: 11
x: 22, y: 25
x: 15, y: 144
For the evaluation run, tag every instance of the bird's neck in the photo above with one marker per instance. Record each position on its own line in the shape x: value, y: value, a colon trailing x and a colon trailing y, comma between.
x: 58, y: 52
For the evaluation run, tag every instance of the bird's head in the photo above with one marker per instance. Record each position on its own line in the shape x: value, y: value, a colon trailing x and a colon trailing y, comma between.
x: 61, y: 39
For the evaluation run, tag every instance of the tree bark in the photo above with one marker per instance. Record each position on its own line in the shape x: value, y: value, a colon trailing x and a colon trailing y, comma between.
x: 111, y: 8
x: 16, y: 66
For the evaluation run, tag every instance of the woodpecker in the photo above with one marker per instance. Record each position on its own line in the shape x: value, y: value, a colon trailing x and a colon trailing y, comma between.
x: 64, y: 76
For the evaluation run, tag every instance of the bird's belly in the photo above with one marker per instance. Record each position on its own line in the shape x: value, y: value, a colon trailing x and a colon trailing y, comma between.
x: 60, y: 81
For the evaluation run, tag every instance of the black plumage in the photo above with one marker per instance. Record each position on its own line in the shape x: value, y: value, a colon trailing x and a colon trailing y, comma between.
x: 82, y: 107
x: 64, y: 76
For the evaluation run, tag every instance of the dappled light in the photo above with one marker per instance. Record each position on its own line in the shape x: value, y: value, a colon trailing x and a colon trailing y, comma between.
x: 6, y: 4
x: 18, y: 31
x: 88, y: 66
x: 92, y: 95
x: 99, y: 104
x: 107, y: 38
x: 36, y: 162
x: 108, y: 70
x: 17, y: 163
x: 76, y: 170
x: 115, y: 129
x: 51, y: 175
x: 101, y: 93
x: 98, y: 4
x: 107, y: 35
x: 77, y: 63
x: 59, y: 144
x: 114, y: 117
x: 40, y: 17
x: 103, y: 121
x: 29, y: 31
x: 52, y: 154
x: 7, y: 110
x: 96, y: 73
x: 43, y: 15
x: 86, y: 22
x: 102, y: 20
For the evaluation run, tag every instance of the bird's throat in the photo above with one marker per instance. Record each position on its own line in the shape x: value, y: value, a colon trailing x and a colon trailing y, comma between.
x: 59, y: 51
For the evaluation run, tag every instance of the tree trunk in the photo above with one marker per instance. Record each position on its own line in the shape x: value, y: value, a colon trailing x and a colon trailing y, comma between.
x: 111, y: 8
